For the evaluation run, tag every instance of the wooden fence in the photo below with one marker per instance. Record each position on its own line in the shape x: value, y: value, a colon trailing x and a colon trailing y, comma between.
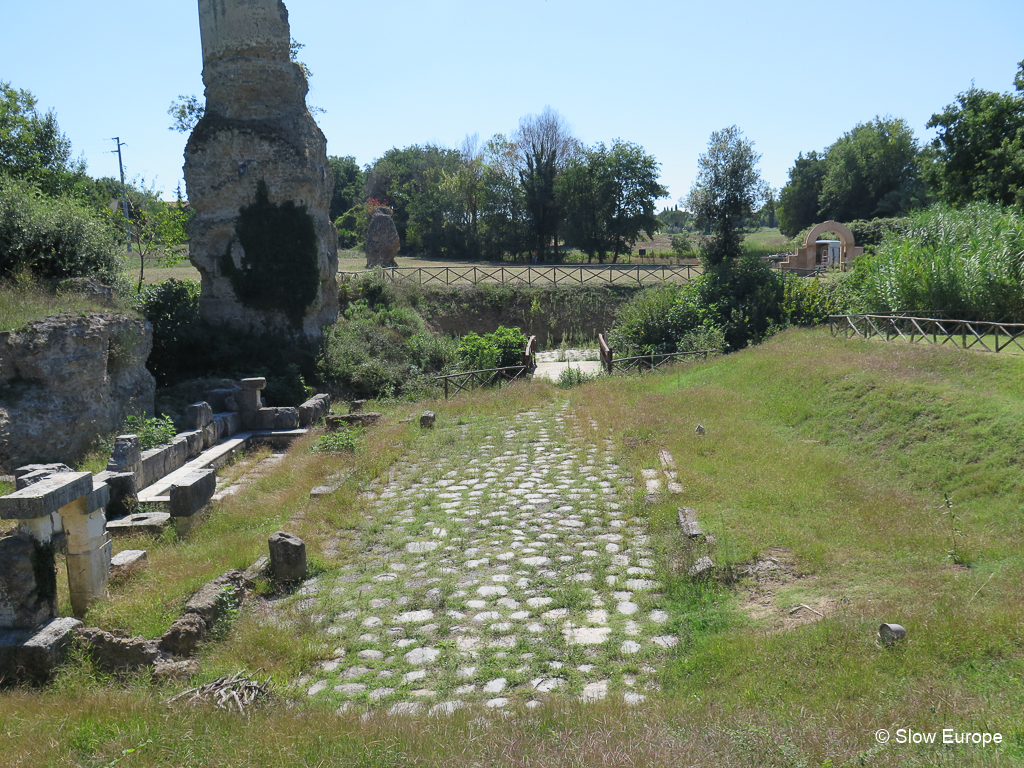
x: 466, y: 381
x: 641, y: 362
x: 968, y: 334
x: 540, y: 276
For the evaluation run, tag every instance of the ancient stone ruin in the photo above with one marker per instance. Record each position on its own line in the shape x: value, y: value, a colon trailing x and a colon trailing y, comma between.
x: 258, y: 178
x: 382, y: 241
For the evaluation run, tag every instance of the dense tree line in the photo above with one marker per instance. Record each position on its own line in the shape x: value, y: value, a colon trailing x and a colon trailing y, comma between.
x: 879, y: 170
x: 517, y: 196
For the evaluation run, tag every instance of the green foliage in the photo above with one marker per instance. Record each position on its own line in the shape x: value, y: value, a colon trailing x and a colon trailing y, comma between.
x: 151, y: 432
x: 500, y: 349
x: 380, y: 347
x: 152, y: 224
x: 727, y: 190
x: 185, y: 112
x: 978, y: 153
x: 967, y: 262
x: 675, y: 222
x: 279, y: 271
x: 870, y: 172
x: 731, y: 305
x: 572, y: 377
x: 348, y: 184
x: 32, y: 147
x: 810, y: 301
x: 54, y: 237
x: 342, y: 441
x: 285, y: 388
x: 608, y: 196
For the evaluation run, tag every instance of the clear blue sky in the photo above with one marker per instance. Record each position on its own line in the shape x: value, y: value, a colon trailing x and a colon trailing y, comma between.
x: 794, y: 76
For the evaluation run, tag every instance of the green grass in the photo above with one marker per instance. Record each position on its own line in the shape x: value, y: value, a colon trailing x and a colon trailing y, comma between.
x: 837, y: 450
x: 25, y: 301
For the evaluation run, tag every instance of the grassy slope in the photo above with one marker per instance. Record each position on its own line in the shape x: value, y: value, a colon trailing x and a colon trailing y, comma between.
x: 840, y: 451
x: 26, y: 303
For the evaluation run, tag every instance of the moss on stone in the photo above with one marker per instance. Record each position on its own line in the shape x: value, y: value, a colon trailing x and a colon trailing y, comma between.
x: 279, y: 270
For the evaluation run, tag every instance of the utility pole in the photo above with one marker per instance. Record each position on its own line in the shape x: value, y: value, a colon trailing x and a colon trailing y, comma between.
x: 124, y: 193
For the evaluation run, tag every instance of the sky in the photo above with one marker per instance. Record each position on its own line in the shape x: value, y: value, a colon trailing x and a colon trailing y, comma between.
x: 793, y: 75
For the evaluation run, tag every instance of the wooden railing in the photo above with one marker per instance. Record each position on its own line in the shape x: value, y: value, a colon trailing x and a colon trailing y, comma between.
x: 530, y: 276
x: 606, y: 354
x: 968, y: 334
x: 530, y: 353
x: 466, y: 381
x: 650, y: 362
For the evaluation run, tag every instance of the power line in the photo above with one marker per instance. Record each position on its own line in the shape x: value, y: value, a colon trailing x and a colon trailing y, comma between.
x: 124, y: 192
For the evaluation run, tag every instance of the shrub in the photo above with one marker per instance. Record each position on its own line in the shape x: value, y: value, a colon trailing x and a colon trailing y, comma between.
x: 54, y: 237
x: 502, y: 348
x: 336, y: 442
x: 809, y: 301
x: 573, y: 377
x: 151, y: 432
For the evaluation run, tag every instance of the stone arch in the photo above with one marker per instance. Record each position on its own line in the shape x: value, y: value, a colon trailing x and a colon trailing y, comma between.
x: 845, y: 235
x: 803, y: 261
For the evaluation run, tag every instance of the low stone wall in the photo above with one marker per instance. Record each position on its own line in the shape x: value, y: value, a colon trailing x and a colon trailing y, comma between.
x: 68, y: 378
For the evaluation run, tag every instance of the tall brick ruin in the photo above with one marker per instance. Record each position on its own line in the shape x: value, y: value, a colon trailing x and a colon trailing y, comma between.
x: 258, y: 178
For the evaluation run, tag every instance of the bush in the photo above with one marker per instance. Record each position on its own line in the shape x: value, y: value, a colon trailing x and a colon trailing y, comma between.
x: 500, y: 349
x: 54, y: 237
x: 151, y: 432
x: 573, y: 377
x: 810, y: 301
x: 336, y: 442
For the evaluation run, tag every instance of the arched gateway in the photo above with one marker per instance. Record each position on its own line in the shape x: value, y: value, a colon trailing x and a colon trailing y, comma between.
x: 806, y: 258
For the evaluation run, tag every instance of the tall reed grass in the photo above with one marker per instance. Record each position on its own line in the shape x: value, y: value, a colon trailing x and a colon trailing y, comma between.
x: 967, y: 262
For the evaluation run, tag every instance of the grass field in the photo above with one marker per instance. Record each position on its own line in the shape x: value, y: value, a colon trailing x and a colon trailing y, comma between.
x: 825, y: 462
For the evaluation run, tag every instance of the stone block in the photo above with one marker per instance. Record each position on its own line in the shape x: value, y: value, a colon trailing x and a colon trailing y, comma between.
x: 254, y: 384
x: 177, y: 454
x: 47, y: 468
x: 287, y: 557
x: 151, y: 523
x: 703, y: 568
x: 152, y: 467
x: 215, y: 597
x: 193, y: 442
x: 118, y: 654
x: 230, y: 424
x: 98, y: 498
x: 124, y: 496
x: 184, y: 635
x: 28, y: 582
x: 249, y: 400
x: 277, y: 419
x: 355, y: 406
x: 33, y: 655
x: 218, y: 398
x: 198, y: 415
x: 42, y: 471
x: 128, y: 558
x: 211, y: 436
x: 344, y: 421
x: 45, y: 497
x: 314, y: 409
x: 686, y: 517
x: 427, y: 420
x: 192, y: 493
x: 126, y: 455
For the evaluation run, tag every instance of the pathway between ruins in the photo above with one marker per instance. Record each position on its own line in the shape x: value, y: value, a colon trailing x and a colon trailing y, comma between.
x: 504, y: 566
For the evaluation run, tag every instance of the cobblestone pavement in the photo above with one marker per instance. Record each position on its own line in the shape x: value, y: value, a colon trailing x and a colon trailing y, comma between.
x: 508, y: 569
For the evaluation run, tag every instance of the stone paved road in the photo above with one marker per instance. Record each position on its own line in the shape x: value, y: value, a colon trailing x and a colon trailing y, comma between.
x: 506, y: 569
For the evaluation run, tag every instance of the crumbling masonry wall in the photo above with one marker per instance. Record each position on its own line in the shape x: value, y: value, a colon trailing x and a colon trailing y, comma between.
x: 257, y: 150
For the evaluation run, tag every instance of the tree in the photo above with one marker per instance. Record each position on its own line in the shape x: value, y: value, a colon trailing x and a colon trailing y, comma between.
x: 870, y: 172
x: 609, y: 196
x: 153, y: 225
x: 348, y: 184
x: 798, y: 200
x: 728, y: 189
x: 978, y: 153
x: 503, y: 220
x: 32, y: 146
x: 185, y: 112
x: 543, y: 146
